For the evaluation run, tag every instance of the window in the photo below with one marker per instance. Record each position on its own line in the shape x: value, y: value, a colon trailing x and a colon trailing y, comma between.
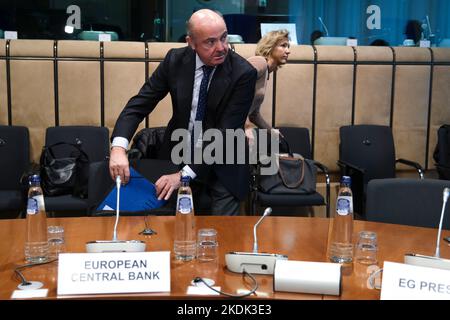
x: 376, y: 22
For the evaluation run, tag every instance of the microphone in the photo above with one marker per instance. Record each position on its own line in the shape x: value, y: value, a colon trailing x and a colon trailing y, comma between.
x: 115, y: 245
x: 267, y: 212
x: 254, y: 262
x: 324, y: 26
x: 432, y: 261
x: 445, y: 195
x: 430, y: 35
x: 118, y: 184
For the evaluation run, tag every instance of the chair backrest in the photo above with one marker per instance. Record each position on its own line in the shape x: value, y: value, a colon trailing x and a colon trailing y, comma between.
x: 147, y: 143
x: 370, y: 147
x: 441, y: 153
x: 298, y: 139
x: 95, y: 140
x: 14, y: 155
x: 100, y: 182
x: 412, y: 202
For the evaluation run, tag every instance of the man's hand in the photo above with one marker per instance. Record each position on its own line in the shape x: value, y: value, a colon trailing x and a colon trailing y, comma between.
x: 167, y: 184
x: 250, y: 136
x: 119, y: 165
x: 276, y: 132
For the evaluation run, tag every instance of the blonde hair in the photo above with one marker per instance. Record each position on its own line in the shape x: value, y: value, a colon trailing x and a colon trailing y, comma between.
x: 269, y: 41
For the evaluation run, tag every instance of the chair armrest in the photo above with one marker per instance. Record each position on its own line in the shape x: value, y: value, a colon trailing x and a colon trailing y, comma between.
x: 324, y: 169
x: 134, y: 154
x: 413, y: 164
x: 321, y: 166
x: 346, y: 165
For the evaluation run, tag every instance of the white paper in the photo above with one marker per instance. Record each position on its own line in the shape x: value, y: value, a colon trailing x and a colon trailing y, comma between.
x: 352, y: 42
x: 202, y: 290
x: 27, y: 294
x: 267, y: 27
x: 425, y: 43
x: 10, y: 35
x: 104, y: 37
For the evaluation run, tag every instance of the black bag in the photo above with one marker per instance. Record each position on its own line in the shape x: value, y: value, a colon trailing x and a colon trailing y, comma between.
x: 442, y: 152
x: 65, y: 175
x: 296, y: 175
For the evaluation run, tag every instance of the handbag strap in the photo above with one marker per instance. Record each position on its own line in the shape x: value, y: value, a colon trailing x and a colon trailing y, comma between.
x: 286, y: 143
x: 283, y: 177
x: 49, y: 149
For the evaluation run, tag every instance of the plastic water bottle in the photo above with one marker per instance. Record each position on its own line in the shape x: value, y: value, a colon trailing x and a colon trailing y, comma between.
x: 36, y: 245
x: 184, y: 243
x: 340, y: 249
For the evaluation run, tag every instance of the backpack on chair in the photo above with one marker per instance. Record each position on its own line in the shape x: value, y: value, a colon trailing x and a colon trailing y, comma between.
x: 68, y: 174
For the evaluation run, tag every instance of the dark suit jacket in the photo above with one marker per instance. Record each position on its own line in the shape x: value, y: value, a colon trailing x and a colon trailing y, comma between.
x: 230, y: 95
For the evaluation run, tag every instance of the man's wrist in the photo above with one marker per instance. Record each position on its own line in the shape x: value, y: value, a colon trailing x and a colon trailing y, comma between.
x: 120, y: 142
x: 187, y: 171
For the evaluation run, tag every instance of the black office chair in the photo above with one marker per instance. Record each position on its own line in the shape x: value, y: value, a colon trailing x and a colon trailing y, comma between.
x: 147, y: 144
x: 411, y: 202
x: 14, y: 162
x: 95, y: 142
x: 367, y: 152
x: 298, y: 139
x: 441, y: 152
x: 101, y: 183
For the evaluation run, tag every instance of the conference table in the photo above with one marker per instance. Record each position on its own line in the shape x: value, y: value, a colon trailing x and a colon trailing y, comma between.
x: 300, y: 238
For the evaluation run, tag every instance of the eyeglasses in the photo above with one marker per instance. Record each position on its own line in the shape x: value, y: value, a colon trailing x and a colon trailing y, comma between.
x: 212, y: 42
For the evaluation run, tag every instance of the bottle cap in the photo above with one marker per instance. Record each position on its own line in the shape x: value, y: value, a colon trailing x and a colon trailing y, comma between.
x: 185, y: 178
x: 346, y: 180
x: 35, y: 178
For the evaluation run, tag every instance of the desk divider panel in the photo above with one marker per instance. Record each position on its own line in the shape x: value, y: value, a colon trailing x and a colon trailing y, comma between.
x: 124, y: 74
x: 32, y: 88
x: 80, y: 82
x: 334, y: 94
x: 294, y: 90
x: 373, y: 85
x: 440, y: 97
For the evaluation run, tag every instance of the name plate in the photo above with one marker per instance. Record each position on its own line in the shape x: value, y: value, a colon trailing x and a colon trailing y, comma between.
x: 116, y: 272
x: 408, y: 282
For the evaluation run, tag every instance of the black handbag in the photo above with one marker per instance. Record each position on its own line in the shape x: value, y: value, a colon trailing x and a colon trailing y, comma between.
x: 65, y: 175
x: 296, y: 175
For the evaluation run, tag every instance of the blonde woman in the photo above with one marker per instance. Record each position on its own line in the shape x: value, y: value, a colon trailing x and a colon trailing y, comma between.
x: 272, y: 51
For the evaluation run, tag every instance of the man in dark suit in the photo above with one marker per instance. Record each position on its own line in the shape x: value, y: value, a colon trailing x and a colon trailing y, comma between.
x: 221, y: 101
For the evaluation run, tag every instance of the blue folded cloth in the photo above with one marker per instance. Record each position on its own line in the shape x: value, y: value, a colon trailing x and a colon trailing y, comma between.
x: 138, y: 194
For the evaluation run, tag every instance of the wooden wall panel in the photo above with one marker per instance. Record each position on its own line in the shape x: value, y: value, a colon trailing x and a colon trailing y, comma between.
x: 32, y: 93
x: 122, y: 81
x: 410, y: 112
x: 373, y: 94
x: 79, y: 93
x: 79, y: 90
